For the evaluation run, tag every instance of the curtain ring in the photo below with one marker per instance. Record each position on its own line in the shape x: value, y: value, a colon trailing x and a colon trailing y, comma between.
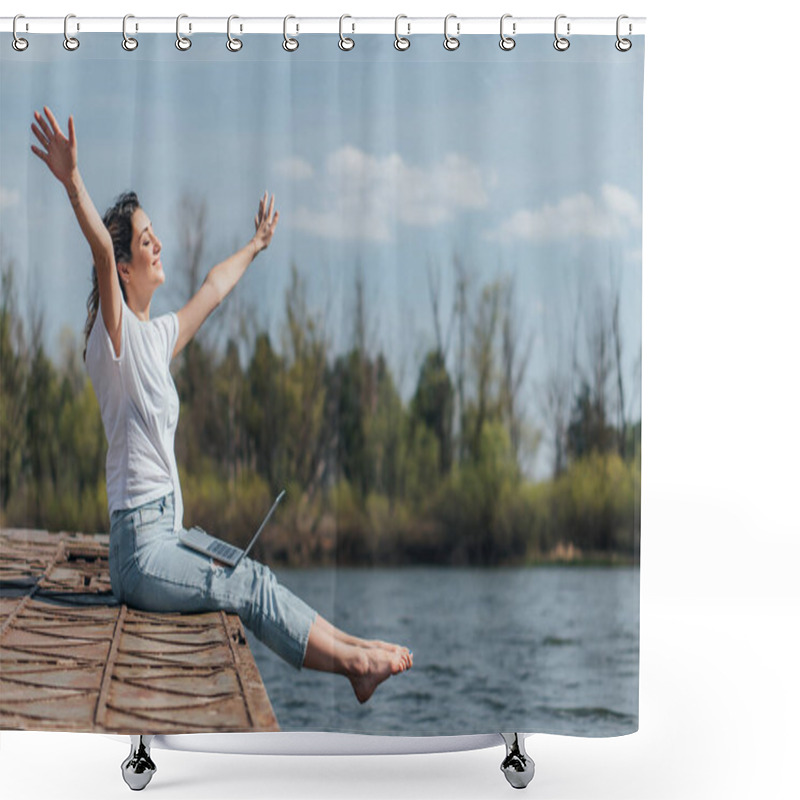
x: 18, y: 43
x: 181, y: 42
x: 289, y: 44
x: 128, y: 42
x: 451, y: 42
x: 561, y: 43
x: 623, y: 45
x: 345, y: 43
x: 400, y: 42
x: 233, y: 44
x: 70, y: 42
x: 507, y: 42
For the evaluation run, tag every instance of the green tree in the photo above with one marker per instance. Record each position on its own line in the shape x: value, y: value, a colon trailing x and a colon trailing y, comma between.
x: 433, y: 405
x: 469, y: 505
x: 13, y: 385
x: 384, y: 434
x: 264, y: 410
x: 41, y: 422
x: 348, y: 389
x: 306, y: 349
x: 229, y: 386
x: 199, y: 441
x: 486, y: 404
x: 588, y: 430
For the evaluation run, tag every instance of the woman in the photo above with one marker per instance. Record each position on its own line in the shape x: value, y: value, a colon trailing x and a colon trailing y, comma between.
x: 127, y: 356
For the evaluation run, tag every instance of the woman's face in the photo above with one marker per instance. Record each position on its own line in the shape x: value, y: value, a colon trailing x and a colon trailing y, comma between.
x: 145, y: 273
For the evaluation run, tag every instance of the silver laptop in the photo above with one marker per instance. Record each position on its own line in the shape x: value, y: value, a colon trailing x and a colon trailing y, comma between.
x: 199, y: 540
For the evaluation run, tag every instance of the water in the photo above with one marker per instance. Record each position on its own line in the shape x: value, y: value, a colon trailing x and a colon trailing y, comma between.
x: 541, y: 649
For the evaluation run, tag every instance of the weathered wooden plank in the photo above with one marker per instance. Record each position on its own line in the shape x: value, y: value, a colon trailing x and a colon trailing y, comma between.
x: 109, y: 667
x: 224, y: 681
x: 262, y: 716
x: 50, y: 676
x: 100, y: 711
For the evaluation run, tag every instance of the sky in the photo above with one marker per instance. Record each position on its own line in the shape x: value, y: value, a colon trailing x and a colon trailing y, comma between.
x: 525, y: 164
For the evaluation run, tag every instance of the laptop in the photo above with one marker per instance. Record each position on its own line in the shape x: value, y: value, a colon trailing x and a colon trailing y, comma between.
x: 198, y: 539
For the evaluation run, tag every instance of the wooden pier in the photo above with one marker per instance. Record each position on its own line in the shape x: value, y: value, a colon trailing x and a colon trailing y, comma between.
x: 73, y: 660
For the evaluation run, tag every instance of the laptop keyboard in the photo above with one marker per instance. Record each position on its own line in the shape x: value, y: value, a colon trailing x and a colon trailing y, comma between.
x: 224, y: 550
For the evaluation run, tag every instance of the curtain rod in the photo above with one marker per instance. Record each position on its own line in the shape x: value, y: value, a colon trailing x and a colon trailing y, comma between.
x: 457, y: 26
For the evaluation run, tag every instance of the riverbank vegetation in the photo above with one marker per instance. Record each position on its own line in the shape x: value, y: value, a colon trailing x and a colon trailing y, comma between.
x: 441, y: 477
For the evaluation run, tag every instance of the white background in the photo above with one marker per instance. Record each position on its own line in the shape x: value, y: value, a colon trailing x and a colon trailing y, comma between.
x: 721, y: 538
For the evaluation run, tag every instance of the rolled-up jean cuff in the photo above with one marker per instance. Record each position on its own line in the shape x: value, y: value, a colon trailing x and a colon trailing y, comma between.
x: 305, y: 643
x: 300, y: 652
x: 289, y: 637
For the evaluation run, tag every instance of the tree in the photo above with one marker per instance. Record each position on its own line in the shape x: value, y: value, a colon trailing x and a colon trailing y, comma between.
x: 598, y: 346
x: 13, y: 384
x: 385, y: 434
x: 516, y: 356
x: 483, y: 367
x: 199, y: 435
x: 229, y: 386
x: 588, y: 430
x: 558, y: 388
x: 347, y: 412
x: 41, y: 416
x: 461, y: 315
x: 192, y: 228
x: 304, y: 388
x: 433, y: 405
x: 365, y: 412
x: 264, y: 409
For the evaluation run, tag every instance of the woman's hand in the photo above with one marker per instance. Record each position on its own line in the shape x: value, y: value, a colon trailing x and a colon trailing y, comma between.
x: 60, y: 153
x: 265, y: 222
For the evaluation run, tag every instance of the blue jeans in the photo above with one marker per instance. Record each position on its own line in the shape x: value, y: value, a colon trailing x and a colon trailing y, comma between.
x: 151, y: 570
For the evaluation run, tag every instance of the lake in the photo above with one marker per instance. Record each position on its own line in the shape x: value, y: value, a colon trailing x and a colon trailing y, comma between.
x: 531, y: 649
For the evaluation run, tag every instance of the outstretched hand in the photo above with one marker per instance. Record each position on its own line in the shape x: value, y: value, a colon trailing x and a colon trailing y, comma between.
x: 60, y: 153
x: 265, y: 221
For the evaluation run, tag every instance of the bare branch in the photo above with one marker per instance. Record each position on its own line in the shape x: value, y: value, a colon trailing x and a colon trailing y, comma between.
x: 434, y: 289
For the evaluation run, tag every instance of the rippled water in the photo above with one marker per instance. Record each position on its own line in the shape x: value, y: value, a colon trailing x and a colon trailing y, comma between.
x: 541, y: 649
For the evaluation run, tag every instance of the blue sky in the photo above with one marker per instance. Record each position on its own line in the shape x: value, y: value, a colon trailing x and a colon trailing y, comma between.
x: 525, y: 163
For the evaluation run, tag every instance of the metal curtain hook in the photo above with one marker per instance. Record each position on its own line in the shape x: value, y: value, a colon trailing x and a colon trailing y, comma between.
x: 181, y: 42
x: 233, y: 44
x: 18, y: 43
x: 345, y: 43
x: 400, y: 42
x: 451, y: 42
x: 561, y: 43
x: 623, y: 45
x: 507, y: 42
x: 289, y: 44
x: 128, y: 42
x: 70, y: 42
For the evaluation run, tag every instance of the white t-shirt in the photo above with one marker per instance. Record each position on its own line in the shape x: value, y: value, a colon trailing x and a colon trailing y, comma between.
x: 139, y: 406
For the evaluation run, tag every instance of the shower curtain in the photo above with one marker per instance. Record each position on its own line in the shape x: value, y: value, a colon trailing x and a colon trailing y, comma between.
x: 438, y: 356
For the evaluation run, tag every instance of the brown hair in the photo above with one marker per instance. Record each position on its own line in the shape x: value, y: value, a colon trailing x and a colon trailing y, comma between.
x: 118, y: 222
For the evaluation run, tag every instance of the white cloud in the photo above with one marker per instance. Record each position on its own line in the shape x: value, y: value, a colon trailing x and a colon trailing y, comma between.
x: 611, y: 215
x: 8, y: 197
x: 363, y: 196
x: 622, y: 203
x: 296, y: 169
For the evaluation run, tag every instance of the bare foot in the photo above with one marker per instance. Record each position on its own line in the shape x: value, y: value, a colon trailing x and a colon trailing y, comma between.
x: 377, y: 644
x: 404, y: 652
x: 371, y: 668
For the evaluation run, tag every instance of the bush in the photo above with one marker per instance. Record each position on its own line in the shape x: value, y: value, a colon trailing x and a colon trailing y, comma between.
x: 593, y: 505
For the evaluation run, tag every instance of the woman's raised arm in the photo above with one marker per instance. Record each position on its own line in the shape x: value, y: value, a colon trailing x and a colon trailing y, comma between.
x: 61, y: 156
x: 225, y: 275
